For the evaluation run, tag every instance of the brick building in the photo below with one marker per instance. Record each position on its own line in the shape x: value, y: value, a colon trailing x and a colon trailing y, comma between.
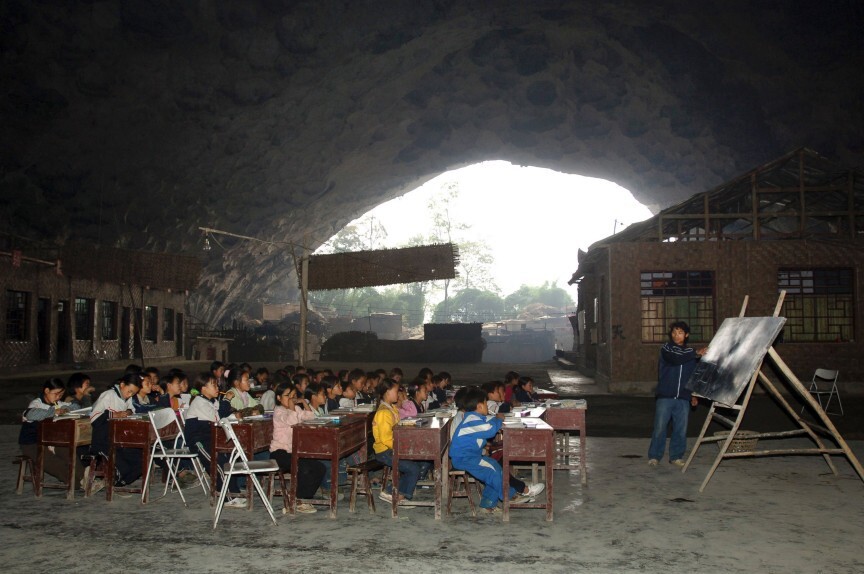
x: 794, y: 224
x: 87, y: 305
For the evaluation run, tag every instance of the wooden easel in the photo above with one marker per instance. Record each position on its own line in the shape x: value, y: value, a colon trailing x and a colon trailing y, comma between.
x: 807, y: 428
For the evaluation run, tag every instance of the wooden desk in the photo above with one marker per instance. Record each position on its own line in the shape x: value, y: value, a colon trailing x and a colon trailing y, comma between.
x: 68, y: 433
x: 532, y: 445
x: 564, y: 420
x: 133, y: 433
x: 328, y: 441
x: 254, y: 435
x: 427, y: 442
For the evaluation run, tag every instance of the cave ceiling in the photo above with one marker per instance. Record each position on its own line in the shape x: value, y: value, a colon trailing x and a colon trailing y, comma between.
x: 131, y: 123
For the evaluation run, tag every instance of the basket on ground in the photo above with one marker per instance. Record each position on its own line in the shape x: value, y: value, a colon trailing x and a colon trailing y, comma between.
x: 744, y: 440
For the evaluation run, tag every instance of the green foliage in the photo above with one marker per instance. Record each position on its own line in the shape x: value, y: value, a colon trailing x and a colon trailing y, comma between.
x: 470, y: 305
x: 547, y: 294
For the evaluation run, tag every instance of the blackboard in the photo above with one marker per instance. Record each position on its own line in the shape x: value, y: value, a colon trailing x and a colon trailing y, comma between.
x: 733, y: 356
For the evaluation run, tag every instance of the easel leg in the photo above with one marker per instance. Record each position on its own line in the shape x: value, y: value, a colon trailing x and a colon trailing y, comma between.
x: 696, y: 446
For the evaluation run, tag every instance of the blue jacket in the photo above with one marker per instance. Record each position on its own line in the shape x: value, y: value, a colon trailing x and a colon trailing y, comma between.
x: 471, y: 435
x: 674, y: 369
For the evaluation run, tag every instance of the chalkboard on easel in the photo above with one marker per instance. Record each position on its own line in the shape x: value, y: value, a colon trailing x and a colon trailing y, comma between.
x: 733, y: 356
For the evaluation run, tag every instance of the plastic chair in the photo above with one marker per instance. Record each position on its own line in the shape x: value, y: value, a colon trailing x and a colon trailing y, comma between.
x: 161, y: 419
x: 239, y: 464
x: 824, y: 383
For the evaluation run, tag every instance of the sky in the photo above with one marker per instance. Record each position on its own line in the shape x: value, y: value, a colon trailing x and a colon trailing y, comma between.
x: 533, y: 219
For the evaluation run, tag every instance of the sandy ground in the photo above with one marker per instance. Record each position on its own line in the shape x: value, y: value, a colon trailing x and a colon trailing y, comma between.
x: 782, y: 514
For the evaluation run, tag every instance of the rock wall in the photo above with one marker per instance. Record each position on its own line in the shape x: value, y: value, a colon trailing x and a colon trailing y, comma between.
x: 131, y: 123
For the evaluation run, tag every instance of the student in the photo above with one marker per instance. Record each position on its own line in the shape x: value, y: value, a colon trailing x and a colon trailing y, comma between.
x: 495, y: 398
x: 310, y: 472
x: 466, y: 452
x: 142, y: 401
x: 511, y: 381
x: 79, y: 391
x: 385, y: 419
x: 333, y: 389
x: 524, y: 392
x: 316, y: 398
x: 170, y: 397
x: 431, y: 400
x: 153, y: 374
x: 396, y: 374
x: 301, y: 381
x: 262, y: 378
x: 673, y: 400
x: 440, y: 384
x: 56, y: 458
x: 413, y: 406
x: 357, y: 379
x: 217, y: 369
x: 116, y: 403
x: 241, y: 400
x: 204, y: 410
x: 349, y: 398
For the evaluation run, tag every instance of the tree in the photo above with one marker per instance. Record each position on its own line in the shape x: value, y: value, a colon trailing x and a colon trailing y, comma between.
x: 470, y: 305
x: 547, y: 294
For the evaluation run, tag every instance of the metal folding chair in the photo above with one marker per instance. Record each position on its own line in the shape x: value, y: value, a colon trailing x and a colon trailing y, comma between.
x: 161, y: 419
x: 824, y: 383
x: 239, y: 464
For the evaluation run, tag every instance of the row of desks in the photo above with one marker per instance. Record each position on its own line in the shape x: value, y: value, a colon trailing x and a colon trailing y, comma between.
x: 334, y: 441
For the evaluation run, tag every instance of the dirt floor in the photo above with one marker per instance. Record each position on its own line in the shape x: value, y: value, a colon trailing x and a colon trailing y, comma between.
x: 778, y: 514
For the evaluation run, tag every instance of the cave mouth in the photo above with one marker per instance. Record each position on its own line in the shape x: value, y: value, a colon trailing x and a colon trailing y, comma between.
x: 527, y: 223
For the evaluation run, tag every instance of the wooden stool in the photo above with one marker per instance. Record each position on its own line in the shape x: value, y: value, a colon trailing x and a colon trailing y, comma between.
x: 464, y: 492
x: 25, y: 472
x: 360, y: 474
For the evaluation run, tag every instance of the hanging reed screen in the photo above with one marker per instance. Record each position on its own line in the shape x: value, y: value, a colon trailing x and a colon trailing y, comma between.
x: 383, y: 267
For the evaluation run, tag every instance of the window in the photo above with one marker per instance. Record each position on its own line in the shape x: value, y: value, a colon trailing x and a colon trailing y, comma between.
x: 167, y: 324
x: 151, y: 320
x: 83, y: 319
x: 669, y: 296
x: 109, y: 320
x: 818, y: 304
x: 17, y: 303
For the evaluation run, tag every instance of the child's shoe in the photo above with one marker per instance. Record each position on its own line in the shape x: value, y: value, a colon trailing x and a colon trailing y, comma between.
x: 653, y: 462
x: 238, y: 502
x: 306, y: 508
x: 535, y: 489
x: 521, y: 499
x: 679, y: 462
x: 386, y: 497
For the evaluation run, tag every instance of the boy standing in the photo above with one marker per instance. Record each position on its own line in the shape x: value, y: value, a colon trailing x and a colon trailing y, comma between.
x: 466, y: 451
x: 673, y: 400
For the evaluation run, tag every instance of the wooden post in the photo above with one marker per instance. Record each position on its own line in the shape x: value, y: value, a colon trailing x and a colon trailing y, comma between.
x: 304, y: 305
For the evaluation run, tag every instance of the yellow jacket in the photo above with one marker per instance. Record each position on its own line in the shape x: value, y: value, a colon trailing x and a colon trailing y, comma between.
x: 385, y: 419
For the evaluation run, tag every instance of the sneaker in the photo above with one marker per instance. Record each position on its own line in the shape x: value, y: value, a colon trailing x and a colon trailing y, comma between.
x: 405, y: 503
x: 386, y: 497
x: 325, y: 493
x: 653, y: 462
x: 521, y: 499
x: 98, y: 484
x: 679, y: 462
x: 492, y: 511
x: 306, y: 508
x: 238, y: 502
x: 535, y: 489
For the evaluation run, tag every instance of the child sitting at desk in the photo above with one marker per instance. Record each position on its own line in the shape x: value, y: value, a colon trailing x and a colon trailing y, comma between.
x: 524, y: 392
x: 348, y: 399
x: 116, y: 403
x: 205, y: 410
x: 316, y: 398
x: 310, y: 472
x: 511, y: 383
x: 495, y: 403
x: 333, y: 390
x: 238, y: 394
x: 79, y: 391
x: 170, y: 397
x: 142, y: 400
x: 413, y: 406
x: 43, y: 408
x: 466, y: 452
x: 386, y: 417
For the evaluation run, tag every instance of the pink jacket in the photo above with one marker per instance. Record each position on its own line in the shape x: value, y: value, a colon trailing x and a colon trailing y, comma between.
x: 283, y: 420
x: 408, y: 409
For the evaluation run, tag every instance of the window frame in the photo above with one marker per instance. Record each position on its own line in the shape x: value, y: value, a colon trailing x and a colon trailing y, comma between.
x: 151, y: 323
x: 168, y: 323
x: 108, y: 330
x: 693, y: 289
x: 17, y: 324
x: 812, y: 295
x: 83, y: 308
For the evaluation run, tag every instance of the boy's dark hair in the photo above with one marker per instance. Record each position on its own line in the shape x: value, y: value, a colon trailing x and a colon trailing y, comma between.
x: 436, y: 380
x: 396, y: 371
x: 384, y: 386
x: 299, y: 377
x: 425, y: 372
x: 473, y: 397
x: 132, y: 368
x: 356, y: 375
x: 233, y: 376
x: 76, y: 381
x: 151, y: 371
x: 262, y: 371
x: 678, y: 325
x: 131, y: 379
x: 167, y: 380
x: 524, y: 381
x: 490, y: 387
x: 53, y: 384
x: 510, y: 377
x: 444, y: 376
x: 459, y: 398
x: 215, y: 365
x: 312, y: 389
x: 329, y: 382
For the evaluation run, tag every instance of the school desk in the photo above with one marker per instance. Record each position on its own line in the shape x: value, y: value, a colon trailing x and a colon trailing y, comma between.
x: 68, y: 433
x: 534, y: 443
x: 427, y: 442
x: 133, y: 432
x: 333, y: 441
x: 565, y: 420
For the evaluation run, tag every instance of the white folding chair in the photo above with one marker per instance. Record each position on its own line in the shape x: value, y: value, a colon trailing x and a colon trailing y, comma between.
x: 824, y: 384
x: 160, y: 419
x: 196, y: 462
x: 239, y: 464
